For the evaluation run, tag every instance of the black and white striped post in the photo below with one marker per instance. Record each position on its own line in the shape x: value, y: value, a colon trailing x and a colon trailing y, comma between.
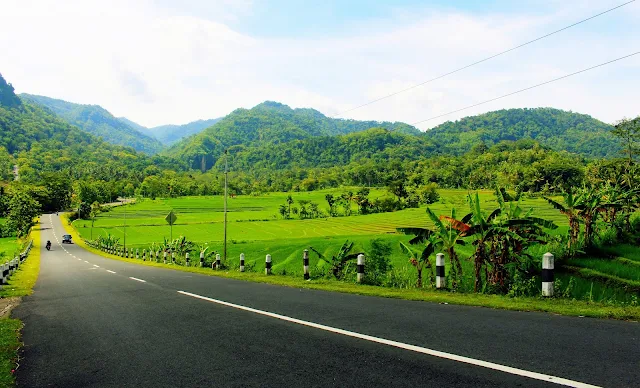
x: 157, y: 256
x: 137, y: 254
x: 173, y: 257
x: 360, y: 262
x: 305, y: 264
x: 218, y: 261
x: 547, y: 274
x: 441, y: 281
x: 242, y: 262
x: 267, y: 265
x: 144, y: 255
x: 201, y: 259
x: 186, y: 259
x: 164, y: 257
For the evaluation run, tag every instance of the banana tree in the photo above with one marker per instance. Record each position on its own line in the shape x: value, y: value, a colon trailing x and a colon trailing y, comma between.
x: 339, y: 261
x: 421, y: 261
x: 571, y: 212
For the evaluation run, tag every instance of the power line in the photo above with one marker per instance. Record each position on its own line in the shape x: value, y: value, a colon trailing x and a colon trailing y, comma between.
x: 529, y: 88
x: 482, y: 60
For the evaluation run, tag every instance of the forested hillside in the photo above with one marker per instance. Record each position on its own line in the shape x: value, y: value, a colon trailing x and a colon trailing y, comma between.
x: 266, y: 124
x: 375, y: 144
x: 169, y: 134
x: 41, y: 142
x: 560, y: 130
x: 99, y: 122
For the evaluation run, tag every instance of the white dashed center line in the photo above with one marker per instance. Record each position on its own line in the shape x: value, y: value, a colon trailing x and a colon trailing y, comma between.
x: 110, y: 271
x: 138, y: 280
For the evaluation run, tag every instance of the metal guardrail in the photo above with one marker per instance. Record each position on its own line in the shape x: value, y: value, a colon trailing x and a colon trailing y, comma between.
x: 9, y: 267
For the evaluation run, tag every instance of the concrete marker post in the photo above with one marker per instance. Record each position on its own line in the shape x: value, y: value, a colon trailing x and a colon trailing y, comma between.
x: 173, y: 257
x: 186, y: 260
x: 547, y: 274
x: 157, y: 256
x: 144, y: 255
x: 137, y: 254
x: 218, y: 261
x: 441, y: 281
x: 267, y: 265
x: 164, y: 257
x: 242, y: 262
x: 201, y: 259
x: 360, y: 262
x: 305, y: 264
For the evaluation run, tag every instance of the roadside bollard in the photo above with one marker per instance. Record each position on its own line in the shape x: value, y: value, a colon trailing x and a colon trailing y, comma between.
x: 186, y: 259
x: 144, y: 255
x: 173, y: 257
x: 305, y: 264
x: 547, y: 274
x: 164, y: 257
x: 440, y: 279
x: 201, y: 259
x: 217, y: 261
x: 157, y: 254
x: 360, y: 277
x: 267, y: 265
x: 242, y: 262
x: 137, y: 254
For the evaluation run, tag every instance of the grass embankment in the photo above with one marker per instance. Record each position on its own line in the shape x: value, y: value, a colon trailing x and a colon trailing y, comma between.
x: 20, y: 284
x: 557, y: 306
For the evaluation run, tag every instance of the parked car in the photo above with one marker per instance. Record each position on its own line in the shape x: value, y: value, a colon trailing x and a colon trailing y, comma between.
x: 66, y: 238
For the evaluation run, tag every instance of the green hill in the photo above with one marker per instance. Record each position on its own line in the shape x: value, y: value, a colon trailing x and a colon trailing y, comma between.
x: 267, y: 124
x: 170, y: 134
x: 39, y: 141
x: 557, y: 129
x: 99, y: 122
x: 371, y: 145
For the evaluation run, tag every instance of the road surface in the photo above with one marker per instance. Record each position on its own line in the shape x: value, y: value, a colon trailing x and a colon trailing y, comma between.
x: 96, y: 322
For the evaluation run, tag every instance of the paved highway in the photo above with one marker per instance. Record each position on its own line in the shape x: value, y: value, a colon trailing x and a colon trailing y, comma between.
x: 96, y: 322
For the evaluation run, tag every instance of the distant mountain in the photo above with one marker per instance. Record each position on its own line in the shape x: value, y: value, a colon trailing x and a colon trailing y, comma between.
x: 40, y: 141
x: 169, y: 134
x: 557, y: 129
x: 99, y: 122
x: 267, y: 124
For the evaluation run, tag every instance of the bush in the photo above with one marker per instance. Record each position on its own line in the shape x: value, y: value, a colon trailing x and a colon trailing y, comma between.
x: 609, y: 236
x: 377, y: 263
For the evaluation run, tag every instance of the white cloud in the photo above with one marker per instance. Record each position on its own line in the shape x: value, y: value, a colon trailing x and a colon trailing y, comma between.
x: 157, y: 63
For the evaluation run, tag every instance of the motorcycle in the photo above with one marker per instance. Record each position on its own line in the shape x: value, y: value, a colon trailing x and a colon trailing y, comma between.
x: 48, y: 246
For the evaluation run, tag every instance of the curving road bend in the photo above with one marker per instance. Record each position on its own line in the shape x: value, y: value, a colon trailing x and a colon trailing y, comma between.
x: 96, y: 322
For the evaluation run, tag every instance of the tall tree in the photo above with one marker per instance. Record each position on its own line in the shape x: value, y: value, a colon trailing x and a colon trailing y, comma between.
x: 628, y: 130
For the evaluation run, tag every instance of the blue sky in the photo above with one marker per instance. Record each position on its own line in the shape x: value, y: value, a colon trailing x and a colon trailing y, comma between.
x: 168, y: 61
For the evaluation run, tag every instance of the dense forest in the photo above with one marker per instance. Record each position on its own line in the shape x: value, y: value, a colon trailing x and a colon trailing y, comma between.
x: 266, y: 124
x: 554, y: 128
x: 99, y: 122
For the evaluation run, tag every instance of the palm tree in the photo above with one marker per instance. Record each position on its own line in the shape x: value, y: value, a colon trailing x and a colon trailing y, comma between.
x: 289, y: 203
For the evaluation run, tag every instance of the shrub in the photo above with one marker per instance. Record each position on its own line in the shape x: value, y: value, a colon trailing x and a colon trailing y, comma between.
x: 377, y: 261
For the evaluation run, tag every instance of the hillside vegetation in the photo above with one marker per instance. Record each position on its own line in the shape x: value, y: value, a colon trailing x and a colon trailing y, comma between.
x: 39, y: 141
x: 99, y: 122
x: 557, y: 129
x: 267, y: 124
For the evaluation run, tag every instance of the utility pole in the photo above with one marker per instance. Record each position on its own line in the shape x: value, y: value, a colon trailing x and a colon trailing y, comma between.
x: 225, y: 204
x: 124, y: 202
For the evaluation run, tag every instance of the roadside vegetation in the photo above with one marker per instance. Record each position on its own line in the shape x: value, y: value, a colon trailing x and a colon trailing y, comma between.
x: 20, y: 284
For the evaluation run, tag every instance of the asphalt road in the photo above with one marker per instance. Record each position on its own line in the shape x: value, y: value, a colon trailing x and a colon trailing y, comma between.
x: 96, y: 322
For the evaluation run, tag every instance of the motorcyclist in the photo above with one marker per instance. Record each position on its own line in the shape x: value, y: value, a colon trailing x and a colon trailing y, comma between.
x: 48, y: 245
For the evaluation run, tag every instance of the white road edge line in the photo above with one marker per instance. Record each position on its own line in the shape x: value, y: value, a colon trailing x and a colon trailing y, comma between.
x: 431, y: 352
x: 138, y: 280
x: 110, y: 271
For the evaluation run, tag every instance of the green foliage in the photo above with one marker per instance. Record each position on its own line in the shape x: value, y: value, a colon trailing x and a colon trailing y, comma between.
x: 267, y: 125
x: 338, y: 263
x: 98, y: 122
x: 378, y: 263
x: 628, y: 131
x: 22, y: 211
x: 170, y: 134
x: 553, y: 128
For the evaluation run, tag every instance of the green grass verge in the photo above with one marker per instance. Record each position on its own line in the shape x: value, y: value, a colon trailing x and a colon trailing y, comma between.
x: 557, y: 306
x: 9, y: 345
x: 21, y: 284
